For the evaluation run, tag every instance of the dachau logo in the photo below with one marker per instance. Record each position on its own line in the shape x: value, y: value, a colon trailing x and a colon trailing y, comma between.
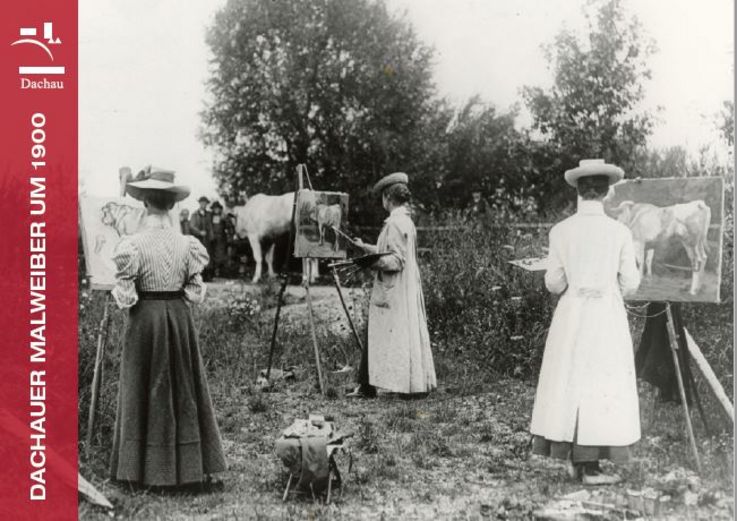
x: 29, y: 36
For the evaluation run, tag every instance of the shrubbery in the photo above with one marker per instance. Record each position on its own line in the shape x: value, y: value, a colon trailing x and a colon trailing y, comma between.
x: 482, y: 311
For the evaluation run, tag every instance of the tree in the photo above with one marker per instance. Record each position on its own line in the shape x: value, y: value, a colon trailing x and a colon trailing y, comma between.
x: 485, y: 152
x: 340, y: 85
x: 593, y: 108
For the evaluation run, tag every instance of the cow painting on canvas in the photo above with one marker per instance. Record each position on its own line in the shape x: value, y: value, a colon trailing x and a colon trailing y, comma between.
x: 676, y: 226
x: 686, y: 222
x: 319, y: 219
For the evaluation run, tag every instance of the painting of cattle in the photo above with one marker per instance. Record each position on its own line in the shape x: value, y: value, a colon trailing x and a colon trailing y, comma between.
x: 102, y: 222
x: 676, y: 226
x: 319, y: 218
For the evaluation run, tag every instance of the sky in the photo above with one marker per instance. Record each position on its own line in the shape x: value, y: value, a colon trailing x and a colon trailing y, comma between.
x: 144, y: 63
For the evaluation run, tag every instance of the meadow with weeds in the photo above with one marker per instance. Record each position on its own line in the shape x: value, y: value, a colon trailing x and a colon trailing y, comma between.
x: 463, y: 452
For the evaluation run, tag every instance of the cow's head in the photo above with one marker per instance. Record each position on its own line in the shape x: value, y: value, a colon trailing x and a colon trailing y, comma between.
x: 107, y: 213
x: 623, y: 212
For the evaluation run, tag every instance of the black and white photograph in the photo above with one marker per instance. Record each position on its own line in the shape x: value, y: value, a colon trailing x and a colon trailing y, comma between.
x: 406, y: 259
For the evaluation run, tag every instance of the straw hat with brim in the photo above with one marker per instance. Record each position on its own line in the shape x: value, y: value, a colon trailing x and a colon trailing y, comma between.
x: 391, y: 179
x: 589, y: 167
x: 159, y: 179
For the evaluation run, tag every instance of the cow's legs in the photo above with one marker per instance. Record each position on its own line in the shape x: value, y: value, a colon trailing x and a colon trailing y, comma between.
x: 257, y: 257
x: 697, y: 268
x: 315, y: 270
x: 321, y: 229
x: 640, y: 256
x: 312, y: 266
x: 270, y: 260
x: 649, y: 254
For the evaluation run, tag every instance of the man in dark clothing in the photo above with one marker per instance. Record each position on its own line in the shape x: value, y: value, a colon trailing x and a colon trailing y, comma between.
x: 200, y: 225
x: 479, y: 207
x: 184, y: 222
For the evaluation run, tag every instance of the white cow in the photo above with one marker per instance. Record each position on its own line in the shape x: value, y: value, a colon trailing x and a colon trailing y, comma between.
x: 686, y: 222
x: 266, y: 217
x: 328, y: 216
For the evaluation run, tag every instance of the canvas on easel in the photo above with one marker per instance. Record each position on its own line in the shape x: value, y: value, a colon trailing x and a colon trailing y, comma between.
x: 676, y: 226
x: 319, y: 217
x: 103, y: 221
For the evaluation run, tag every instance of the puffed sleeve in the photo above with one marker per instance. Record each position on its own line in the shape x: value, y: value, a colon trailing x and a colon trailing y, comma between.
x: 396, y: 243
x: 555, y: 276
x: 194, y: 288
x: 629, y: 275
x: 126, y: 259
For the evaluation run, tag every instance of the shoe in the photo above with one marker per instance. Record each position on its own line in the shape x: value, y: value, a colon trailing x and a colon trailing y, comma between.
x: 600, y: 479
x: 355, y: 393
x: 358, y: 393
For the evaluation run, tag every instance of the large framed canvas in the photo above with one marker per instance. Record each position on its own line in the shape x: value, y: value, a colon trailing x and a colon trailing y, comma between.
x: 676, y: 226
x: 319, y: 217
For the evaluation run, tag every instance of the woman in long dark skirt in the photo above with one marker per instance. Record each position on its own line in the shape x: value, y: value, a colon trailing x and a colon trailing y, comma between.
x: 165, y: 430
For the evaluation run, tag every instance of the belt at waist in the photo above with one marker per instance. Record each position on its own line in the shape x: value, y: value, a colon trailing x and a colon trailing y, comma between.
x: 588, y: 292
x: 161, y: 295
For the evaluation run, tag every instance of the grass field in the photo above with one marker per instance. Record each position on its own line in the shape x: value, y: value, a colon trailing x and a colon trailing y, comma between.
x: 460, y: 453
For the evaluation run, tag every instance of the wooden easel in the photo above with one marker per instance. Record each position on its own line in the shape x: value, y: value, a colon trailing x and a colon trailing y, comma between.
x: 97, y: 376
x: 307, y: 277
x: 706, y: 372
x: 673, y: 338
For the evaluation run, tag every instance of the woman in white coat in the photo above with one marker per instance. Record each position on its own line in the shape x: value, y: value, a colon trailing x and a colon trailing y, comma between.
x: 398, y: 357
x: 586, y: 406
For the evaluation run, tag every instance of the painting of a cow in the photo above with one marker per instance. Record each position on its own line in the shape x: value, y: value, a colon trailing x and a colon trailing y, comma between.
x: 676, y: 226
x: 686, y: 222
x: 328, y: 217
x: 263, y: 218
x: 320, y: 216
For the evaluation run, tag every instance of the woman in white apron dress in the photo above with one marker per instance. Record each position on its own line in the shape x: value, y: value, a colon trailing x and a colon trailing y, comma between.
x: 586, y: 406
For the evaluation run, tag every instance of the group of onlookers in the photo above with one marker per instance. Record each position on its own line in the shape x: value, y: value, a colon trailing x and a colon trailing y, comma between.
x: 214, y: 230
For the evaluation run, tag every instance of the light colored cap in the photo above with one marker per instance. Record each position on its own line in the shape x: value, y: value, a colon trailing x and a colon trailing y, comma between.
x: 391, y: 179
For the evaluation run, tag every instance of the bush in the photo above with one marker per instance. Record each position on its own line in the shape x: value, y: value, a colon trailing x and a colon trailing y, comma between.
x: 482, y: 311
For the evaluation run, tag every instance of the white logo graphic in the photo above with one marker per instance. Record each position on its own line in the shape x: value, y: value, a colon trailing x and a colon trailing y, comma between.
x: 29, y: 36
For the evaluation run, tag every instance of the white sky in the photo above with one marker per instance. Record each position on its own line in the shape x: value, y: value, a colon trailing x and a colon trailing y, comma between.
x: 143, y: 64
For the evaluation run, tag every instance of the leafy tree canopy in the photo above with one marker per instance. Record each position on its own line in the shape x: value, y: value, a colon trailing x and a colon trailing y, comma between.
x: 340, y: 85
x: 593, y: 108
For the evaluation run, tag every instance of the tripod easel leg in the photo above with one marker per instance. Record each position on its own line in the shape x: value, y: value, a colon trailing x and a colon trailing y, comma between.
x: 312, y: 327
x: 674, y: 351
x: 280, y: 298
x: 97, y: 375
x: 336, y: 280
x: 283, y: 288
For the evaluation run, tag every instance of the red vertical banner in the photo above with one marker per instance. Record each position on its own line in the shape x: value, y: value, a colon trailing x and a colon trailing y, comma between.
x: 38, y: 255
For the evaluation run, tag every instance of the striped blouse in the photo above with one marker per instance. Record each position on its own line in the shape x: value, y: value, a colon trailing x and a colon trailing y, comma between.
x: 158, y: 258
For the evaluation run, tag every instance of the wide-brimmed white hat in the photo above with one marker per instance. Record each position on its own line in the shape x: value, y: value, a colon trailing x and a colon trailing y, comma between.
x: 153, y: 178
x: 391, y: 179
x: 589, y: 167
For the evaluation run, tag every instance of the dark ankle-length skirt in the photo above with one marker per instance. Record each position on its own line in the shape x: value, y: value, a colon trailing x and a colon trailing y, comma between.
x: 165, y: 429
x: 579, y: 453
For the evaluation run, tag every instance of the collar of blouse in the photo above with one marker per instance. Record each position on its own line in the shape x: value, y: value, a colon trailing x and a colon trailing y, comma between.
x: 158, y: 221
x: 590, y: 208
x: 399, y: 210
